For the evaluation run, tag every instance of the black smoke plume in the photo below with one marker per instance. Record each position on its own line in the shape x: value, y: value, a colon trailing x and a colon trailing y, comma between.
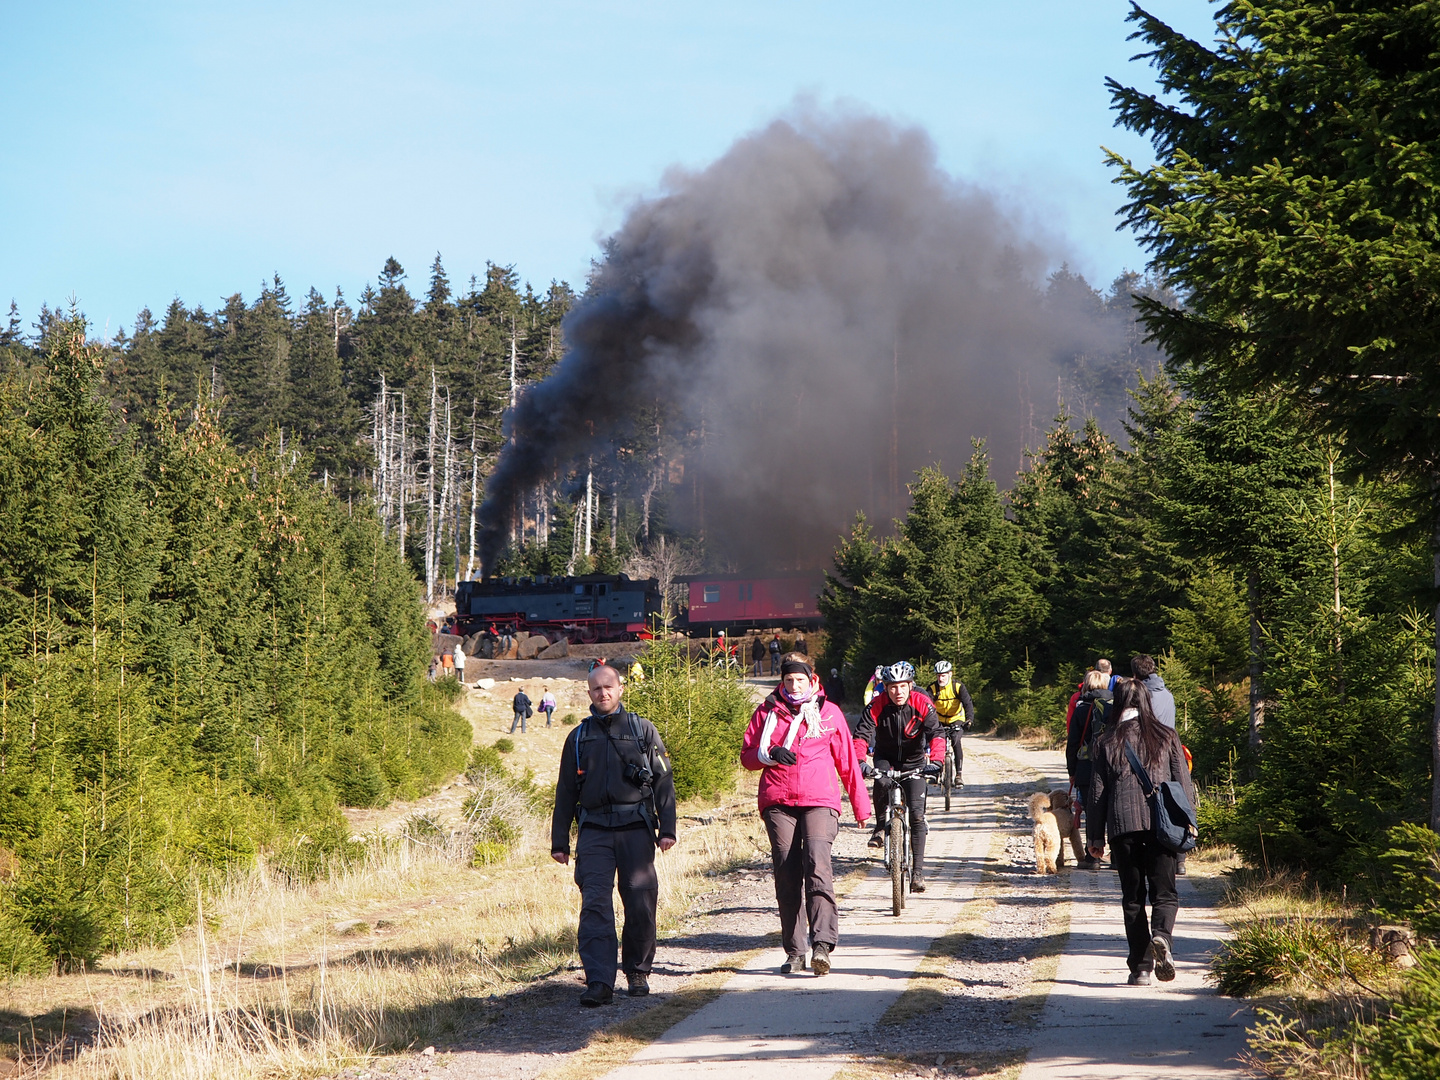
x: 832, y: 311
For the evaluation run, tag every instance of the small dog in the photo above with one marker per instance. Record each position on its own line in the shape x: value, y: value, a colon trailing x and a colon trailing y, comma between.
x: 1067, y: 820
x: 1048, y: 852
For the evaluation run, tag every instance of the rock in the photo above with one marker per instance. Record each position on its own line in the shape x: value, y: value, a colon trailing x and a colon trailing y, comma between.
x: 350, y: 927
x: 531, y: 646
x: 1396, y: 943
x: 484, y: 684
x: 443, y: 643
x: 429, y: 1051
x: 557, y: 651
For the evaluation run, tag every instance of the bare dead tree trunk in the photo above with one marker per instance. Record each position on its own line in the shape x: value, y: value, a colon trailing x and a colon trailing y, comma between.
x: 404, y: 479
x: 443, y: 508
x: 474, y: 489
x: 430, y: 495
x: 589, y: 505
x: 1257, y: 668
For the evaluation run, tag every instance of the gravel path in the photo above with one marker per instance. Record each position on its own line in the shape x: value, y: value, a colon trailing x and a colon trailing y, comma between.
x: 974, y: 1006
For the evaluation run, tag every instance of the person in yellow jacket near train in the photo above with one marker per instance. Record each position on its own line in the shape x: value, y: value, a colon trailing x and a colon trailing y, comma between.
x: 955, y: 709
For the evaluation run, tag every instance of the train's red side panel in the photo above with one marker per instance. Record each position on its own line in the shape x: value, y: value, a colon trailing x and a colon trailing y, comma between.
x: 730, y: 599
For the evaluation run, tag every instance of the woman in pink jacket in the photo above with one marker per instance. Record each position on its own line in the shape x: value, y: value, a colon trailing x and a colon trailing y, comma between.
x: 801, y: 742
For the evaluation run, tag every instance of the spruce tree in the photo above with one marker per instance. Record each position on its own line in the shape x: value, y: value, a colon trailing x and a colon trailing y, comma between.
x: 1294, y: 202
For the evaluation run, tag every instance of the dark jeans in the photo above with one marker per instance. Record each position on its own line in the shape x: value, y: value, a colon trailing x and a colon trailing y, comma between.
x: 774, y: 663
x: 1146, y: 871
x: 520, y: 719
x: 800, y: 841
x: 914, y: 802
x: 601, y: 857
x: 549, y: 715
x: 954, y: 732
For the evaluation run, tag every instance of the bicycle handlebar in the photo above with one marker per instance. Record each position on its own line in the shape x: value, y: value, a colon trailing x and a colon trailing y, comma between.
x: 906, y: 774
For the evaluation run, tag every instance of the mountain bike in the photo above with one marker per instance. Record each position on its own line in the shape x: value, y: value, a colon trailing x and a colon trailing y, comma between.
x: 947, y: 774
x: 896, y: 816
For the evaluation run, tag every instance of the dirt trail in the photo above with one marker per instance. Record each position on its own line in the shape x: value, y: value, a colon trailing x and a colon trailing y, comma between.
x: 992, y: 969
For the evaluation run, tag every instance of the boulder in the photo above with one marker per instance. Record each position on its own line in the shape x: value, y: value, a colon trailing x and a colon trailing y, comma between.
x: 443, y: 643
x: 531, y: 646
x: 557, y: 651
x: 484, y: 684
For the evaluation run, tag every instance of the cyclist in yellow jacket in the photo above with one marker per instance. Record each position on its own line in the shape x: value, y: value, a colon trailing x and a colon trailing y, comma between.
x: 955, y: 709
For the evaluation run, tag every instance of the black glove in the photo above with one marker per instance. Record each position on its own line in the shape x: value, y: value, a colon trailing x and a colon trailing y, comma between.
x: 932, y: 769
x: 867, y: 770
x: 782, y: 756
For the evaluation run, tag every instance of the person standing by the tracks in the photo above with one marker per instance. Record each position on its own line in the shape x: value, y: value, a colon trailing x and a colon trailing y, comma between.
x: 615, y: 780
x: 1117, y: 809
x: 521, y: 704
x: 799, y: 742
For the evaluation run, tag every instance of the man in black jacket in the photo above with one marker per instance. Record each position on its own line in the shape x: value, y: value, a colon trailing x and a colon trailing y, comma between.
x: 521, y: 705
x: 902, y: 726
x: 615, y: 780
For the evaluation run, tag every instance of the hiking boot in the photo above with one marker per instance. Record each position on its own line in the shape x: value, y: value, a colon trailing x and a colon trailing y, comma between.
x: 1164, y: 960
x: 1139, y: 978
x: 1088, y: 863
x: 820, y: 959
x: 877, y: 838
x: 958, y: 782
x: 793, y: 964
x: 596, y: 993
x: 917, y: 882
x: 638, y: 985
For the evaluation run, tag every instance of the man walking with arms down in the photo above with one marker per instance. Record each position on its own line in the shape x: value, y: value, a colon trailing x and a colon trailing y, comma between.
x: 615, y: 780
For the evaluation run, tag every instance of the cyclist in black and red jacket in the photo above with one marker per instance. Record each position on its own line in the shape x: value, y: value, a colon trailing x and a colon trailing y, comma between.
x: 905, y: 730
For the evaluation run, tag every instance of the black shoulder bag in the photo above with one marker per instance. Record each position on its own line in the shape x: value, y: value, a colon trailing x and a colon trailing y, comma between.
x: 1171, y: 815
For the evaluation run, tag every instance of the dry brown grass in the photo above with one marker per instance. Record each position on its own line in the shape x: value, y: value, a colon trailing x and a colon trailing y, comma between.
x: 388, y: 953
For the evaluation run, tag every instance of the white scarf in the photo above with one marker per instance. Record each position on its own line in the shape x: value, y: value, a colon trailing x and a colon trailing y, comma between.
x: 809, y: 718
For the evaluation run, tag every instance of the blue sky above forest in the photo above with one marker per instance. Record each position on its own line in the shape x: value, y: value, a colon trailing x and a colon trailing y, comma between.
x: 161, y: 149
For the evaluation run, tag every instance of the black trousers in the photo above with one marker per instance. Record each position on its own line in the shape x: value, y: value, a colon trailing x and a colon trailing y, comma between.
x: 953, y: 732
x: 603, y: 857
x: 800, y: 841
x: 1147, y: 872
x: 914, y: 802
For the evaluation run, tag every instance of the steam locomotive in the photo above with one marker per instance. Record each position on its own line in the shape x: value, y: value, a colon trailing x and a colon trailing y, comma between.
x: 586, y: 609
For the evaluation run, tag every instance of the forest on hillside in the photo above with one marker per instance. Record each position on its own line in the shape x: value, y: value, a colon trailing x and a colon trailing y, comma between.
x: 203, y: 656
x: 403, y: 398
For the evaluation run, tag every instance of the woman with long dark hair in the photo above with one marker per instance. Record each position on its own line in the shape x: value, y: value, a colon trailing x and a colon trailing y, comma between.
x: 1117, y: 809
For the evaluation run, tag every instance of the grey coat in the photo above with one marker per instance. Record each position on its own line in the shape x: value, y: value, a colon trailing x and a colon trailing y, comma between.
x: 1162, y: 701
x: 1117, y: 805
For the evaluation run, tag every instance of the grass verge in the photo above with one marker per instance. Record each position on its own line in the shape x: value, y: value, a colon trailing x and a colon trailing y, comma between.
x: 396, y: 949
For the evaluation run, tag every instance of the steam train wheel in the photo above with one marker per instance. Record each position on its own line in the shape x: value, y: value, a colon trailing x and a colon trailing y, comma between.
x: 589, y: 635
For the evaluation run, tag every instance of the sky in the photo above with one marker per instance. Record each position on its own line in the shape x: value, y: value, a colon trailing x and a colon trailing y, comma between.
x: 155, y: 150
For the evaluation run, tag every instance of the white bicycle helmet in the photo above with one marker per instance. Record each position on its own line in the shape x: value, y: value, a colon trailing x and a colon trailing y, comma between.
x: 943, y: 666
x: 903, y: 671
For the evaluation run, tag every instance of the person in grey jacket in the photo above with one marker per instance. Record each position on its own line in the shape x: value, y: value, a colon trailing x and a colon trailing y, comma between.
x: 1117, y: 809
x: 1161, y: 699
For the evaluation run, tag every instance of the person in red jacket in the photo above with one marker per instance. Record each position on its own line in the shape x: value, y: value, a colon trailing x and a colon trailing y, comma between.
x: 799, y: 742
x: 905, y: 730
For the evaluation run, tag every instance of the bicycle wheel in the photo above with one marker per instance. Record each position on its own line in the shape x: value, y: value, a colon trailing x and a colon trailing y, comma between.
x: 947, y: 778
x: 895, y: 855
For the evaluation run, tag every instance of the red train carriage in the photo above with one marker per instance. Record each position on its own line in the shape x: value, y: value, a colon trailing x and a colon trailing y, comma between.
x: 745, y: 602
